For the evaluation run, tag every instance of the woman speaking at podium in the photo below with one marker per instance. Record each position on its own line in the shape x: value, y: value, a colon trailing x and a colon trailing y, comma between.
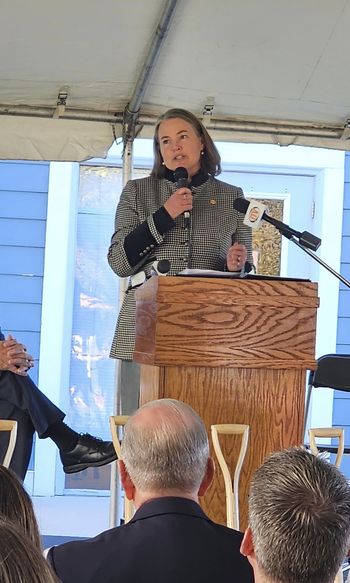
x: 182, y: 213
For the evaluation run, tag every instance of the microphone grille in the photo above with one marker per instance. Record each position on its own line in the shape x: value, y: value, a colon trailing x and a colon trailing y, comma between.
x: 162, y: 267
x: 180, y: 173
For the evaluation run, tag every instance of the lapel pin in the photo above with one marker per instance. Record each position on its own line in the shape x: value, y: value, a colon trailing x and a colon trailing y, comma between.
x: 212, y: 201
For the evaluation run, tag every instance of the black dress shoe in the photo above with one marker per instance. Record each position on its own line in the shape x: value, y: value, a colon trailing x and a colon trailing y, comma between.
x: 88, y: 452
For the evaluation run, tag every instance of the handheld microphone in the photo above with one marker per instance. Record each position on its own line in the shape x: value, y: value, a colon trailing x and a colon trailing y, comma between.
x: 181, y: 179
x: 161, y: 267
x: 307, y: 239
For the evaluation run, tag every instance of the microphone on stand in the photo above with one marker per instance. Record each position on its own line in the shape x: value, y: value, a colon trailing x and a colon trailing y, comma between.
x: 161, y: 267
x: 181, y: 179
x: 305, y: 240
x: 255, y: 213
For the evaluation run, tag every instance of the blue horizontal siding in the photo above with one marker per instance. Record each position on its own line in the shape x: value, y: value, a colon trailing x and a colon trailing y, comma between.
x: 343, y: 335
x: 346, y: 436
x: 345, y: 465
x: 25, y: 317
x: 346, y: 223
x: 345, y: 271
x: 22, y: 232
x: 23, y: 208
x: 341, y: 404
x: 347, y: 195
x: 21, y: 260
x: 343, y: 349
x: 21, y: 288
x: 11, y: 205
x: 340, y: 410
x: 347, y: 168
x: 344, y: 303
x: 345, y: 254
x: 24, y: 176
x: 346, y: 433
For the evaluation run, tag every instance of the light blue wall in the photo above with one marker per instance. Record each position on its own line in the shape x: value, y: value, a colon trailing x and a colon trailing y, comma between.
x: 343, y: 337
x: 341, y: 405
x: 23, y: 206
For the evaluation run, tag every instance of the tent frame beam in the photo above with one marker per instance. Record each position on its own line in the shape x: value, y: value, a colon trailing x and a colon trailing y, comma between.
x: 245, y: 125
x: 131, y: 111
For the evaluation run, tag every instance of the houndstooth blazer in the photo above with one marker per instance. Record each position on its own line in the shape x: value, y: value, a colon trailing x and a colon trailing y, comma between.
x: 144, y: 232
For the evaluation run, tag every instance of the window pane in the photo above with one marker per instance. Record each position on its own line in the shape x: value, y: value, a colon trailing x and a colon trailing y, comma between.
x: 92, y: 373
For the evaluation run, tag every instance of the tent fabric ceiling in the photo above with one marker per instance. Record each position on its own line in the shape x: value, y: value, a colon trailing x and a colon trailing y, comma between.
x: 53, y: 139
x: 265, y: 65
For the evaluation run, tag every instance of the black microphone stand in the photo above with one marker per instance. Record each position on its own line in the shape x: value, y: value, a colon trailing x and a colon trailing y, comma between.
x: 291, y: 236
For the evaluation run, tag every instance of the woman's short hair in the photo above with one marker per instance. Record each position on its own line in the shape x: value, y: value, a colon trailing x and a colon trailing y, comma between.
x: 210, y: 160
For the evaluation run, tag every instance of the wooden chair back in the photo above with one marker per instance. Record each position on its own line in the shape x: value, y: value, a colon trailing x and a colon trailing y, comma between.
x: 117, y: 422
x: 231, y: 485
x: 331, y: 432
x: 11, y: 426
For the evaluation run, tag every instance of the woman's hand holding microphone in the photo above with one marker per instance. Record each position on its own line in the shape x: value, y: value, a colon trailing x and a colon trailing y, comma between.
x: 179, y: 202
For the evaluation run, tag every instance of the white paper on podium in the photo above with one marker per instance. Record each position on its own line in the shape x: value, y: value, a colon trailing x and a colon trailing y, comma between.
x: 209, y: 273
x: 236, y: 275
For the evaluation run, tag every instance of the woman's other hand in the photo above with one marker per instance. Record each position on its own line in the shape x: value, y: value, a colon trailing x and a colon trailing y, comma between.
x: 236, y: 257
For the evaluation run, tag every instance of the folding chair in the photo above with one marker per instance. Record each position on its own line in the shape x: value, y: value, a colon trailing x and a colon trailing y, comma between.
x: 116, y: 422
x: 333, y: 371
x: 315, y: 449
x: 231, y: 486
x: 11, y: 426
x: 327, y: 432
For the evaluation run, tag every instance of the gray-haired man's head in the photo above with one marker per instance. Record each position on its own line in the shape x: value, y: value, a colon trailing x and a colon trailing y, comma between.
x: 165, y: 447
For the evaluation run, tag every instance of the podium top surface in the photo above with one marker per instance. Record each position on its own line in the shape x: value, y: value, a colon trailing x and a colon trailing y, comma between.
x: 229, y: 290
x: 226, y: 322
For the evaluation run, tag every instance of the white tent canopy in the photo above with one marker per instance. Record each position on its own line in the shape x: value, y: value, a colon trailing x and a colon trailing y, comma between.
x: 271, y: 71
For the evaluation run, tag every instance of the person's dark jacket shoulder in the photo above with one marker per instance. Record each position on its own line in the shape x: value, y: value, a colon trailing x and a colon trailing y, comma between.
x: 168, y: 539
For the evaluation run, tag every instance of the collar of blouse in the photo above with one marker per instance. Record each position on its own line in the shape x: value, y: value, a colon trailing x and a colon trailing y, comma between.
x: 197, y: 179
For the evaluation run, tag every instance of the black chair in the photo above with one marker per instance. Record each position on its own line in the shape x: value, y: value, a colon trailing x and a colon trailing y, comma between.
x: 333, y: 371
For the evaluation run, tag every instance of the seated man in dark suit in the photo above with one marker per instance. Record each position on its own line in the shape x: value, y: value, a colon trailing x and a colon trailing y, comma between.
x: 165, y: 467
x: 21, y: 400
x: 299, y: 519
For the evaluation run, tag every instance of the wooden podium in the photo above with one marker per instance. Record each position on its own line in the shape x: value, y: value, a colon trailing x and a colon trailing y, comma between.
x: 237, y: 351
